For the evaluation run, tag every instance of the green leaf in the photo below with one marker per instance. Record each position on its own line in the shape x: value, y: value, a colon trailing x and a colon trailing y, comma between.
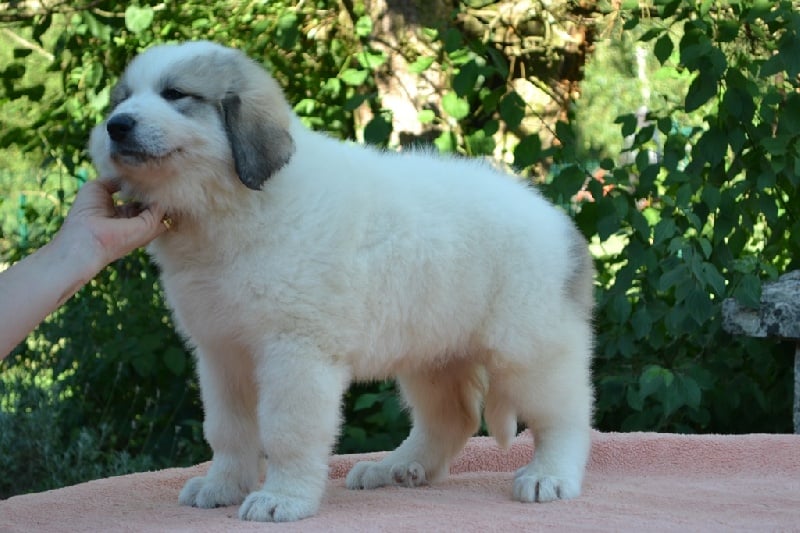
x: 371, y: 59
x: 654, y: 378
x: 670, y: 8
x: 466, y: 80
x: 665, y: 230
x: 693, y: 47
x: 453, y: 40
x: 363, y: 26
x: 692, y: 394
x: 490, y: 99
x: 672, y: 278
x: 446, y: 142
x: 651, y: 34
x: 711, y: 196
x: 366, y: 401
x: 421, y: 64
x: 499, y: 61
x: 355, y: 101
x: 713, y: 278
x: 641, y: 323
x: 454, y: 106
x: 378, y: 130
x: 568, y: 181
x: 287, y: 21
x: 175, y: 360
x: 789, y: 50
x: 663, y: 48
x: 629, y: 123
x: 287, y: 30
x: 711, y: 147
x: 13, y: 71
x: 138, y: 19
x: 512, y: 109
x: 354, y: 77
x: 739, y: 104
x: 772, y: 66
x: 426, y: 116
x: 305, y: 106
x: 699, y: 306
x: 632, y: 22
x: 642, y: 136
x: 634, y: 399
x: 528, y: 151
x: 748, y: 292
x: 727, y: 30
x: 480, y: 143
x: 620, y: 308
x: 701, y: 90
x: 776, y: 145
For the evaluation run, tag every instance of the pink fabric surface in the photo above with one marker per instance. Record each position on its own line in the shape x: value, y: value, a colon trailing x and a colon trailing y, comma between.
x: 634, y: 482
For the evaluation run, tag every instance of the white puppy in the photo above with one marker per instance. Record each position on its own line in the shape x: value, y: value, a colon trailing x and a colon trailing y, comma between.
x: 297, y: 263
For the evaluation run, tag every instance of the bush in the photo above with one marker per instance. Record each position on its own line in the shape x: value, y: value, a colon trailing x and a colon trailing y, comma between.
x: 41, y: 452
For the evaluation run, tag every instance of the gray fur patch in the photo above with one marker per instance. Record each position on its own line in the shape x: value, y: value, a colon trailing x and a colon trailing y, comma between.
x: 580, y: 282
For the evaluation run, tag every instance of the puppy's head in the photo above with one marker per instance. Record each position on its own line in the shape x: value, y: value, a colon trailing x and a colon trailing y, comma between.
x: 191, y: 123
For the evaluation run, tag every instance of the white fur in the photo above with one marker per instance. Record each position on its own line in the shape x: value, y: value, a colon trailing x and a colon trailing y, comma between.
x: 351, y: 263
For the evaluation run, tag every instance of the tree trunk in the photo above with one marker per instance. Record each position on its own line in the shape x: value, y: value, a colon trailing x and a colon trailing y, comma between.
x: 546, y: 44
x: 396, y: 33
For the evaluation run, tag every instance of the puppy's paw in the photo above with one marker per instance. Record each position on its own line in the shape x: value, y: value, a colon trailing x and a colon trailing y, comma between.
x: 530, y: 485
x: 409, y: 474
x: 270, y: 506
x: 370, y: 475
x: 207, y: 492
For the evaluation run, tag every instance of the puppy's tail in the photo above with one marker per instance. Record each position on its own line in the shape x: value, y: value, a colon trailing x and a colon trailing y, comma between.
x: 501, y: 419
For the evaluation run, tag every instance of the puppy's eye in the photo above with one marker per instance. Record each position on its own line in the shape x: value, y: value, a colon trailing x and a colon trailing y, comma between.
x: 173, y: 94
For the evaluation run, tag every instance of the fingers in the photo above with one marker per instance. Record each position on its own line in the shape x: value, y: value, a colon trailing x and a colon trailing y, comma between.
x: 111, y: 184
x: 129, y: 210
x: 136, y: 222
x: 155, y: 218
x: 133, y: 209
x: 158, y: 212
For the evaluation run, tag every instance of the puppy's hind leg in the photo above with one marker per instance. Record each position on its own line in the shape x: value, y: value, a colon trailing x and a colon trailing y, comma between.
x: 554, y: 398
x: 445, y: 405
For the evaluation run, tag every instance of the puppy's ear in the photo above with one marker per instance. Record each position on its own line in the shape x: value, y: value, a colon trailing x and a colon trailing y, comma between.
x: 260, y: 146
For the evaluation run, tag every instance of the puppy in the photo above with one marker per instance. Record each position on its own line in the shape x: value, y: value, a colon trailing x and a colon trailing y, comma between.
x: 296, y: 263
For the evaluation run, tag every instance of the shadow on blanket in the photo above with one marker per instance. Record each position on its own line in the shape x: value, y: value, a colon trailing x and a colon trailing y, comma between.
x: 636, y: 481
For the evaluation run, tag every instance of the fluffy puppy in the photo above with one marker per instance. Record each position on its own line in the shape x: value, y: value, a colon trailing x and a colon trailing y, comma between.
x: 297, y: 263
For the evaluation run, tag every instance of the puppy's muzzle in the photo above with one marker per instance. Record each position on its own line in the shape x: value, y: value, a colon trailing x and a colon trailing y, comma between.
x: 133, y: 145
x: 120, y: 126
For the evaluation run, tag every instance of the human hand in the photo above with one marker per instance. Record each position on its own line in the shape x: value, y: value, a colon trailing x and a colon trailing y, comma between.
x: 105, y: 231
x: 95, y: 232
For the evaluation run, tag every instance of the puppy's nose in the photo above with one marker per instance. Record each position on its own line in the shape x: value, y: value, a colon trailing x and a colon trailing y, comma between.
x: 119, y: 126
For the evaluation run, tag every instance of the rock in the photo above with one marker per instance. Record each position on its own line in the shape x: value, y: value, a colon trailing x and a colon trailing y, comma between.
x: 778, y: 316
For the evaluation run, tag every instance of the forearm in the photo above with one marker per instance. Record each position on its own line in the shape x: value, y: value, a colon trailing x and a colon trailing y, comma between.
x: 37, y: 285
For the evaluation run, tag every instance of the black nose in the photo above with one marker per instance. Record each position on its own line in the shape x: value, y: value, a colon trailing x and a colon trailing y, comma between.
x: 119, y: 126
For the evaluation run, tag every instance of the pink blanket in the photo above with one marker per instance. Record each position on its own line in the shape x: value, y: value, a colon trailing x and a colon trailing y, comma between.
x: 637, y: 482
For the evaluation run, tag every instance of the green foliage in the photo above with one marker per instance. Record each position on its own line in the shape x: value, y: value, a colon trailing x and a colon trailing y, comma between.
x: 673, y: 235
x: 376, y: 419
x: 707, y: 221
x: 42, y: 452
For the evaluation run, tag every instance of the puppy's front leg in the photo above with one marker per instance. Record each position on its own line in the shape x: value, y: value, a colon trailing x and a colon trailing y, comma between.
x: 299, y: 411
x: 230, y: 427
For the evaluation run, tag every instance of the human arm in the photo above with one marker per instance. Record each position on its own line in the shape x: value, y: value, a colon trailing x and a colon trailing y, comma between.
x: 95, y: 232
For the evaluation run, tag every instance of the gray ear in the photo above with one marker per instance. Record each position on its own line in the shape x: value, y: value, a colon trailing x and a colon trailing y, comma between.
x: 260, y: 147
